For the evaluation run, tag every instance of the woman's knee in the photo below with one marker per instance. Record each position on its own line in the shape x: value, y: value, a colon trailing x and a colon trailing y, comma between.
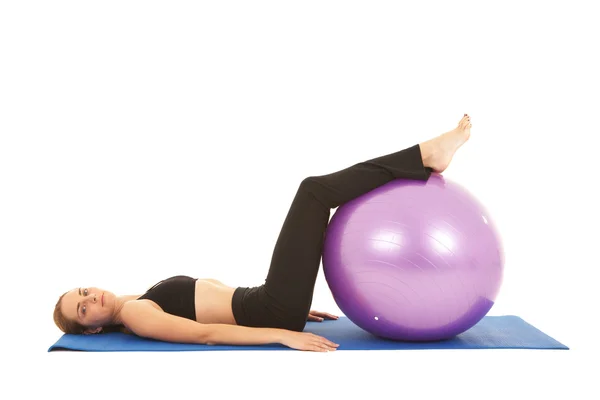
x: 309, y: 183
x: 316, y: 188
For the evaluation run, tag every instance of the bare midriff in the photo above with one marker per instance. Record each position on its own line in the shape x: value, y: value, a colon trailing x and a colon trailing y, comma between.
x: 213, y: 302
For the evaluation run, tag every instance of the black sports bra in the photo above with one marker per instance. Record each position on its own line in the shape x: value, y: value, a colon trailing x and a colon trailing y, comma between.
x: 175, y: 295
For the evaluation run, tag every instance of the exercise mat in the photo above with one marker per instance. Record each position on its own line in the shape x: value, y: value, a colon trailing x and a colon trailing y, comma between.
x: 492, y: 332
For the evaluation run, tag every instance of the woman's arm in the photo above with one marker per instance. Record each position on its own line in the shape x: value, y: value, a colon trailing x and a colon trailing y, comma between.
x: 146, y: 321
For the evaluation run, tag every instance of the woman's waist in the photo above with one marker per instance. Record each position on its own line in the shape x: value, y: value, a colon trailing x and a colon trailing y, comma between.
x: 213, y: 303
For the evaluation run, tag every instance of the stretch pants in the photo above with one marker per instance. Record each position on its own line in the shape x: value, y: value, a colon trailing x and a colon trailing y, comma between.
x: 285, y: 299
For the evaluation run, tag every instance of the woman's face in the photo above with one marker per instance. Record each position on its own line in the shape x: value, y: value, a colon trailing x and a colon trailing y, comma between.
x: 90, y: 306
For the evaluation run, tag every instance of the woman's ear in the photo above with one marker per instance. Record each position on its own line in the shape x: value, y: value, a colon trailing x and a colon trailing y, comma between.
x: 90, y: 331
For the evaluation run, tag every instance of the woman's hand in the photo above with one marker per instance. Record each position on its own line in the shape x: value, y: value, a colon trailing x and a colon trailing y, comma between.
x: 307, y: 341
x: 319, y: 316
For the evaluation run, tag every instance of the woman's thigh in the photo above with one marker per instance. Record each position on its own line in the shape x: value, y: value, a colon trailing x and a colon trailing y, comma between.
x: 297, y: 255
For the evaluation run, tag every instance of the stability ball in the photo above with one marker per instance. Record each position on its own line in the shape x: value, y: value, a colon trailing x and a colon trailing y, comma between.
x: 414, y: 260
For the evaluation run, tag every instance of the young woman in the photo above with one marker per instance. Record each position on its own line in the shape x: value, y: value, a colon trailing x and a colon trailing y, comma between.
x: 191, y: 310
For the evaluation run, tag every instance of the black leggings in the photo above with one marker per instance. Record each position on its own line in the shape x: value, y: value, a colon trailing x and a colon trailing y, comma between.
x: 284, y: 300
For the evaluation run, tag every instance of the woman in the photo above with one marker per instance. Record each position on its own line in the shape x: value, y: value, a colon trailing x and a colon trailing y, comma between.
x: 190, y: 310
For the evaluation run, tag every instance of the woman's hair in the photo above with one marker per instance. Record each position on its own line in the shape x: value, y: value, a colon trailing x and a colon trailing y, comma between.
x: 64, y: 324
x: 73, y: 327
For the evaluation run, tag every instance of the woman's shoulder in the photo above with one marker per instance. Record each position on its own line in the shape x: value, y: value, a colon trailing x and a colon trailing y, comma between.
x: 135, y: 307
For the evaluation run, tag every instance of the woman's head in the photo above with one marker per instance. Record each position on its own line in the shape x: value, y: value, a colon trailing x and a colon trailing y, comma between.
x: 85, y: 310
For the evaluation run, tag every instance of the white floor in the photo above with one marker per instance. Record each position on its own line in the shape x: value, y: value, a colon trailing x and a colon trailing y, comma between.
x: 460, y: 374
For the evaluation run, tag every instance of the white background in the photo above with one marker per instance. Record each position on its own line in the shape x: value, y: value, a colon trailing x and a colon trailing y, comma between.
x: 141, y: 140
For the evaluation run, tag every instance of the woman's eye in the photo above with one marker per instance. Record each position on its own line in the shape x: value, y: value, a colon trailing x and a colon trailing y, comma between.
x: 83, y: 310
x: 85, y: 292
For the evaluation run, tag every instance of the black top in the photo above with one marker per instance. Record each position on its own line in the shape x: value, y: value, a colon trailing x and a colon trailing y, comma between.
x: 175, y: 295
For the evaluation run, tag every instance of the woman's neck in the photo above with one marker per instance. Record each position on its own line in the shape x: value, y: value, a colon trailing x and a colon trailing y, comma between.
x: 120, y: 301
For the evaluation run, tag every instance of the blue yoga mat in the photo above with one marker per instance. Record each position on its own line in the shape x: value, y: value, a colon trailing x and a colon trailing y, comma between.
x: 492, y: 332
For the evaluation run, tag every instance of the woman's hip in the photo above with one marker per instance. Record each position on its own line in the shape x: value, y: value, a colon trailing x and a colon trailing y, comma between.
x: 253, y: 307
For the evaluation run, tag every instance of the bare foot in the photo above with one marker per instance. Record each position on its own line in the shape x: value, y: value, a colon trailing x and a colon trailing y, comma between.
x: 438, y: 152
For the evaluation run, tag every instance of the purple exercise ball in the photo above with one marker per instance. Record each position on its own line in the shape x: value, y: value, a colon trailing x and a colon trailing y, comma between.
x: 414, y: 260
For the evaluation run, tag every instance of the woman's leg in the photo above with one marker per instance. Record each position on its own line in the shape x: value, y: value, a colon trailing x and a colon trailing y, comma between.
x: 297, y: 255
